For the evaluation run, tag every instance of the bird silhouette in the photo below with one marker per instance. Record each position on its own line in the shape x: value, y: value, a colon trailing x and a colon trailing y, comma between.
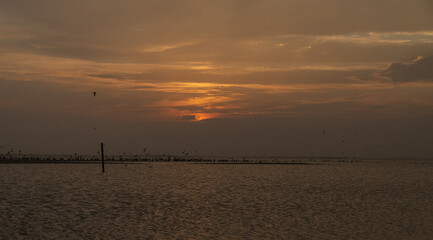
x: 94, y: 93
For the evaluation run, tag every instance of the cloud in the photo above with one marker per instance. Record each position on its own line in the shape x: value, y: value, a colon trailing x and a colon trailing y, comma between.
x: 188, y: 117
x: 421, y: 69
x: 156, y: 31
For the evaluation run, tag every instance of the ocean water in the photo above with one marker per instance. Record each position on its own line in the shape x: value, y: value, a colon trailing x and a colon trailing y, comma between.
x: 364, y: 200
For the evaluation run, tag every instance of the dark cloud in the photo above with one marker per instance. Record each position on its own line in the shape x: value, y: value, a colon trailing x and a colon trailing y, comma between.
x: 188, y: 117
x: 378, y: 107
x: 420, y: 69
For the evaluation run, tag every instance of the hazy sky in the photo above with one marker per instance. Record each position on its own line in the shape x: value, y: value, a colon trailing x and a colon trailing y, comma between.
x: 227, y: 77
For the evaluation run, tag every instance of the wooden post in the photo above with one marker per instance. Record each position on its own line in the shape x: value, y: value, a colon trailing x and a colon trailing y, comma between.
x: 102, y: 156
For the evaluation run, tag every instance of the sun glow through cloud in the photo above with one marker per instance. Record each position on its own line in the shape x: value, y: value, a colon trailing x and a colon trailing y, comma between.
x: 238, y: 66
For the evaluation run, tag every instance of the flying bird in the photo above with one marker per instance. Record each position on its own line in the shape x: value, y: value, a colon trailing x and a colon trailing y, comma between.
x: 94, y: 93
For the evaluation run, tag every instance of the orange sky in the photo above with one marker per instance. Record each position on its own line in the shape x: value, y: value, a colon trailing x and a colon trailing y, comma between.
x: 176, y: 63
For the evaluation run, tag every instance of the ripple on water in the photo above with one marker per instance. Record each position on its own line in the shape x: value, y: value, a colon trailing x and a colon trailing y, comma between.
x: 200, y: 201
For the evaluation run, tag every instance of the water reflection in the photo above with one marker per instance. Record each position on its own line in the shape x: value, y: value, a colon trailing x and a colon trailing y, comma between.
x: 202, y: 201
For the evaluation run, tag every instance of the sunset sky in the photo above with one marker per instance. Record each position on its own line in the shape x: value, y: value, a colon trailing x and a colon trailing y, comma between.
x: 226, y: 77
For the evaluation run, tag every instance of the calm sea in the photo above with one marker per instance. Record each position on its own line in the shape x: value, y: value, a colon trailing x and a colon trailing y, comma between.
x: 363, y: 200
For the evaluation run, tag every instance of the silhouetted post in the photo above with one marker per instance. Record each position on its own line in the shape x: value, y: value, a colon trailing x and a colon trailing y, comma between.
x: 102, y: 156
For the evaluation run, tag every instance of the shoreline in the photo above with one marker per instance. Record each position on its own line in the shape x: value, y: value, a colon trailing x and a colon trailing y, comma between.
x: 202, y: 160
